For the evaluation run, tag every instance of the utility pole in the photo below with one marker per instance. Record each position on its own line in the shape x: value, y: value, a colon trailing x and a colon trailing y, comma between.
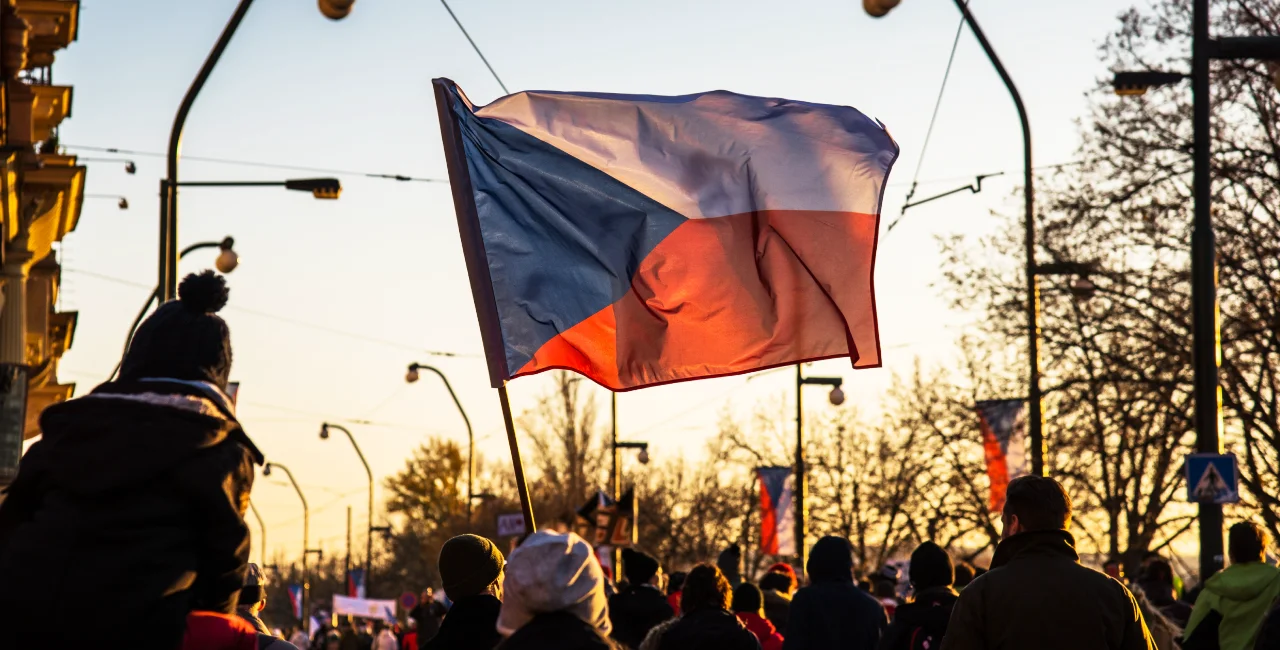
x: 346, y: 568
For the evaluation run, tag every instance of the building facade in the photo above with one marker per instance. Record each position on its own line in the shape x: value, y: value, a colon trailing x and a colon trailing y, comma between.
x: 41, y: 192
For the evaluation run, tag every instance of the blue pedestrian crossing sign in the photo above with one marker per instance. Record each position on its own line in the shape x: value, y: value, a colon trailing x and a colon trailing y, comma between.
x: 1212, y: 478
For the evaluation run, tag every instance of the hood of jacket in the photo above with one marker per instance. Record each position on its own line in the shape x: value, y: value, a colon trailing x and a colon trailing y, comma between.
x: 709, y: 628
x: 831, y: 560
x: 1243, y: 582
x: 144, y: 428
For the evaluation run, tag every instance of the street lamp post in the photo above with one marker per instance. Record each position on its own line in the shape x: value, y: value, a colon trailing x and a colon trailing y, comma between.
x: 306, y: 531
x: 412, y: 376
x: 167, y: 278
x: 262, y: 541
x: 878, y: 8
x: 1206, y: 333
x: 801, y: 483
x: 643, y: 457
x: 368, y: 560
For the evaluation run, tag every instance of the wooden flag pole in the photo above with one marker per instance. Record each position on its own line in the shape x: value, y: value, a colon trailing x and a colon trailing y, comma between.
x: 526, y: 506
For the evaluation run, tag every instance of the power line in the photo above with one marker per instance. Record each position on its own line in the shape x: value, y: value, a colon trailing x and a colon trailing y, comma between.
x: 475, y: 47
x: 937, y: 104
x: 266, y: 165
x: 291, y: 321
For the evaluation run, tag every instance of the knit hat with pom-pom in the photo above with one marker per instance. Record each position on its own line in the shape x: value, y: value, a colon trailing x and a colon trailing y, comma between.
x: 184, y: 338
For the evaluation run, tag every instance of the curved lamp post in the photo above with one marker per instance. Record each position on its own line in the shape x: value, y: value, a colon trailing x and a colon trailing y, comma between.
x: 368, y: 558
x: 262, y: 540
x: 167, y: 279
x: 306, y: 530
x: 412, y: 376
x: 226, y: 262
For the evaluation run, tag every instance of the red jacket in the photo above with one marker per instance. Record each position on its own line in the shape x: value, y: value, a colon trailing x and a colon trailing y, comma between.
x: 211, y: 631
x: 674, y: 601
x: 410, y: 641
x: 763, y: 629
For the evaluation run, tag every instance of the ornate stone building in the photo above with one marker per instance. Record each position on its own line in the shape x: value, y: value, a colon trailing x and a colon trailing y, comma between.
x: 41, y: 192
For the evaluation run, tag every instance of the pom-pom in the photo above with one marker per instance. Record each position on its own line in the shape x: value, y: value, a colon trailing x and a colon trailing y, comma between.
x: 204, y: 293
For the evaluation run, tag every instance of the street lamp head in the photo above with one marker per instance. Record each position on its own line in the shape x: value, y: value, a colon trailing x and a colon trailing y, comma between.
x: 412, y: 375
x: 130, y: 167
x: 836, y: 397
x: 324, y: 432
x: 123, y: 203
x: 643, y: 456
x: 227, y: 260
x: 335, y: 9
x: 878, y: 8
x: 1082, y: 288
x: 266, y: 469
x: 321, y: 188
x: 1137, y: 83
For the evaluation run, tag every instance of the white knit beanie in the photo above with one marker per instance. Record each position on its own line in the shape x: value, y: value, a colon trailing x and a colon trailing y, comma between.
x: 553, y: 573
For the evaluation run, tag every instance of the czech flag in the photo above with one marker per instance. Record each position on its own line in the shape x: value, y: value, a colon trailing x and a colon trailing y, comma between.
x: 355, y: 583
x: 295, y: 599
x: 777, y: 510
x: 1004, y: 444
x: 641, y: 239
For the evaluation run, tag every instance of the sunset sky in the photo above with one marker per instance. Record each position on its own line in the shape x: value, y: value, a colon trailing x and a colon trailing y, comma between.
x: 333, y: 299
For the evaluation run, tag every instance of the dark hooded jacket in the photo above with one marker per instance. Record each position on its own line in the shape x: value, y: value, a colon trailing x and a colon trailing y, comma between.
x: 636, y: 610
x: 832, y: 612
x: 927, y: 614
x: 1037, y: 595
x: 129, y: 513
x: 712, y: 629
x: 471, y: 624
x: 559, y: 630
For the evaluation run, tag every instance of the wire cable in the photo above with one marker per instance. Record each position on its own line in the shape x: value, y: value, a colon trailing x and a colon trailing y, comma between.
x: 475, y: 47
x: 265, y: 165
x: 937, y: 104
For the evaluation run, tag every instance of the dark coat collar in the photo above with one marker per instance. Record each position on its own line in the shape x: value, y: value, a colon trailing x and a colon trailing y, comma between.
x: 1059, y: 543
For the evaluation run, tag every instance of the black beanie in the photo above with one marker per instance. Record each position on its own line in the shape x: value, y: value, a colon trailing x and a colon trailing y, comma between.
x: 931, y: 567
x: 184, y: 338
x: 831, y: 560
x: 469, y: 564
x: 639, y: 567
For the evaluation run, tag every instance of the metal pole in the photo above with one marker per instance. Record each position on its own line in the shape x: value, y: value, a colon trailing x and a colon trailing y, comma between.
x: 471, y: 436
x: 1204, y: 286
x: 1029, y: 226
x: 368, y: 558
x: 617, y: 476
x: 306, y: 530
x: 346, y: 565
x: 262, y: 554
x: 168, y: 275
x: 800, y: 470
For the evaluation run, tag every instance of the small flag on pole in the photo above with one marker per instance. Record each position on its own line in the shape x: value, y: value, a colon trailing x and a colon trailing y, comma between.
x: 777, y: 510
x: 643, y: 239
x: 1004, y: 442
x: 355, y: 583
x: 295, y: 599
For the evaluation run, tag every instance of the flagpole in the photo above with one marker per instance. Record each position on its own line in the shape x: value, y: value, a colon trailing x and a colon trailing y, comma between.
x: 521, y: 486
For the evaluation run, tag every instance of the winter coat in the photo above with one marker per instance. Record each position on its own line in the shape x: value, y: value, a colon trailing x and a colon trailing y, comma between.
x: 471, y: 624
x: 1269, y: 633
x: 710, y: 629
x: 252, y: 619
x: 1242, y: 594
x: 777, y: 608
x: 1037, y: 595
x: 134, y: 501
x: 386, y: 640
x: 1161, y: 595
x: 558, y: 630
x: 931, y: 610
x: 765, y: 632
x: 834, y: 614
x: 635, y: 611
x: 1165, y: 633
x: 209, y: 631
x: 428, y: 616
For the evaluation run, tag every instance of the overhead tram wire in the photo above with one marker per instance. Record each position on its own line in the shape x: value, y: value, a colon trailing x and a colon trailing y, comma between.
x: 475, y: 47
x: 265, y: 165
x: 937, y: 104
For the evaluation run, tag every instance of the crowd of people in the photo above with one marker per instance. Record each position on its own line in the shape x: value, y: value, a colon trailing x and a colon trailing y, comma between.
x: 125, y: 528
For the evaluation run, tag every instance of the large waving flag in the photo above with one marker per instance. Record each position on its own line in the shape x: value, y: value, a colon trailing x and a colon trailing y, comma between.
x: 1004, y: 443
x: 777, y: 510
x: 641, y: 239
